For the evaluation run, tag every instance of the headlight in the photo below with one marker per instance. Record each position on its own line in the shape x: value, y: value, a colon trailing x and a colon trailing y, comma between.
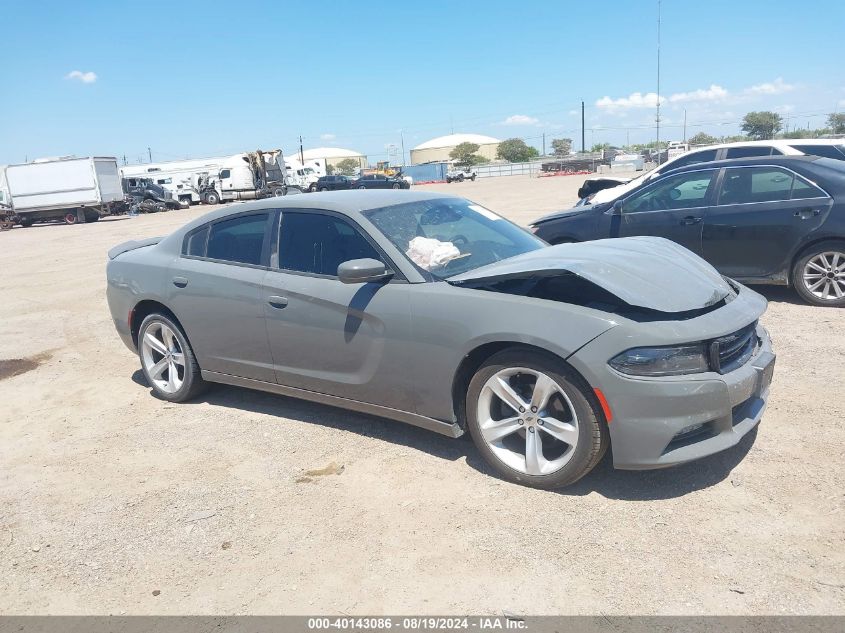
x: 662, y: 361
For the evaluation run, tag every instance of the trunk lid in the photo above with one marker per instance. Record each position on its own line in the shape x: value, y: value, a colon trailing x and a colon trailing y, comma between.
x: 131, y: 245
x: 646, y: 272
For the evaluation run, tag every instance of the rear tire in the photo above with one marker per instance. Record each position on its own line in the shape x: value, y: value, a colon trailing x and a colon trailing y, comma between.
x: 167, y: 360
x: 818, y: 275
x: 527, y: 449
x: 27, y: 222
x: 212, y: 198
x: 397, y: 185
x: 70, y: 218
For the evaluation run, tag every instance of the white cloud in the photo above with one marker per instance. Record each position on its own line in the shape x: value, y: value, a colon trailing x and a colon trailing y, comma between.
x: 634, y: 100
x: 713, y: 93
x: 327, y: 137
x: 520, y: 119
x: 775, y: 87
x: 86, y: 78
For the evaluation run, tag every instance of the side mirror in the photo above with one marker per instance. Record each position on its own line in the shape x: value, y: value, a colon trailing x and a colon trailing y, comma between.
x: 617, y: 208
x: 361, y: 271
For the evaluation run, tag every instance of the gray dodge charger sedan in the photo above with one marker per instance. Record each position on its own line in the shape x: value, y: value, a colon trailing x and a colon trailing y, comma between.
x: 431, y: 310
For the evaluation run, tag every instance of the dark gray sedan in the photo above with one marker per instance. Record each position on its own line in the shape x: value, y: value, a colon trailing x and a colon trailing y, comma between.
x: 435, y: 311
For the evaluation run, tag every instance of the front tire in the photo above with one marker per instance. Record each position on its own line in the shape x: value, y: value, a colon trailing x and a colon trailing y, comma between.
x: 819, y: 274
x: 167, y: 360
x: 535, y: 420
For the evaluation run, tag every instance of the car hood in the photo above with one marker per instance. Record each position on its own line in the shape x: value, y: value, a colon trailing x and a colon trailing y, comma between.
x: 647, y: 272
x: 566, y: 213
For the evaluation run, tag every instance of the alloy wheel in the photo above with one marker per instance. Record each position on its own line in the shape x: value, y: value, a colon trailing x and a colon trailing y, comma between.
x: 824, y: 275
x: 528, y: 421
x: 163, y: 357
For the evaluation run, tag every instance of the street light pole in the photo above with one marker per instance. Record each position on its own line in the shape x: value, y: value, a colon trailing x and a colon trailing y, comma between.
x: 657, y: 118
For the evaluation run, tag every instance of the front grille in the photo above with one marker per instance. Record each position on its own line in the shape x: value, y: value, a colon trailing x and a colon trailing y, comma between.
x: 731, y: 351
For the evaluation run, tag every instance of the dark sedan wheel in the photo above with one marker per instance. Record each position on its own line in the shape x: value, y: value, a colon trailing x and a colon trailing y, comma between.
x: 819, y: 274
x: 324, y: 188
x: 396, y: 185
x: 361, y: 187
x: 167, y: 360
x: 534, y: 420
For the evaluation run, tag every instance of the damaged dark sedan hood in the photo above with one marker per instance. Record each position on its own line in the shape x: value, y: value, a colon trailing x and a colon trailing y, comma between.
x: 647, y: 272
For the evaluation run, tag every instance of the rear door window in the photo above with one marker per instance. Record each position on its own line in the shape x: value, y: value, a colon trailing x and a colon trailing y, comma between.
x: 836, y: 152
x: 239, y: 240
x: 747, y: 185
x: 749, y: 151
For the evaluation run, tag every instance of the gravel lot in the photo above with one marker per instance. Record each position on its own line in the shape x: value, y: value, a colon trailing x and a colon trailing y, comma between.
x: 114, y: 502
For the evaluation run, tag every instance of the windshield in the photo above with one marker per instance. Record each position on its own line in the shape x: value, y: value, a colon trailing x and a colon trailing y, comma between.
x: 449, y: 236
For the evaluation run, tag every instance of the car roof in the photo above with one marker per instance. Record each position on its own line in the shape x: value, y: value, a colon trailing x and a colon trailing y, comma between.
x: 783, y: 161
x: 348, y: 202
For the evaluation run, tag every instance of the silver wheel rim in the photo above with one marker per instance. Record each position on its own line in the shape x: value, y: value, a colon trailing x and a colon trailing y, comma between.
x: 824, y: 275
x: 163, y: 357
x: 528, y: 421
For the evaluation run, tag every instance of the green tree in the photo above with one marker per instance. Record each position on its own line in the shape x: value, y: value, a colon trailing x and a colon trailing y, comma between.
x: 347, y: 167
x: 762, y: 125
x: 464, y: 154
x: 599, y: 147
x: 836, y: 122
x: 561, y: 146
x: 515, y: 150
x: 702, y: 138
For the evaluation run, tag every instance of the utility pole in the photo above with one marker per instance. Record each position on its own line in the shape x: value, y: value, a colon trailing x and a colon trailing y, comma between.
x: 544, y: 143
x: 685, y: 125
x: 583, y: 148
x: 150, y: 152
x: 657, y: 118
x: 402, y: 139
x: 301, y: 153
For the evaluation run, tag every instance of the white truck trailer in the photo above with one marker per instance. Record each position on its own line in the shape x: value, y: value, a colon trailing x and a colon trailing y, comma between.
x: 69, y: 189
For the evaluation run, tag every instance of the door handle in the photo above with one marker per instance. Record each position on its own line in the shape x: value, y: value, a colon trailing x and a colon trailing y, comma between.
x: 806, y: 214
x: 180, y: 282
x: 278, y: 302
x: 690, y: 220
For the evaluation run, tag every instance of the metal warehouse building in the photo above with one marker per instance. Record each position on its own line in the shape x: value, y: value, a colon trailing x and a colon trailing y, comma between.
x: 333, y: 155
x: 437, y: 149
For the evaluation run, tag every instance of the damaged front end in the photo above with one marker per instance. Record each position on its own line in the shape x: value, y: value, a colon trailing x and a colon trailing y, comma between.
x: 639, y: 278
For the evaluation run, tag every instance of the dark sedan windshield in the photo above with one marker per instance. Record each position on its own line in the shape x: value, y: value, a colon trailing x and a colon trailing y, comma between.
x: 450, y: 236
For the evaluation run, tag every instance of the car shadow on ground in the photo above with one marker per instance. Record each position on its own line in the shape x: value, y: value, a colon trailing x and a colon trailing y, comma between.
x: 604, y: 480
x: 780, y: 294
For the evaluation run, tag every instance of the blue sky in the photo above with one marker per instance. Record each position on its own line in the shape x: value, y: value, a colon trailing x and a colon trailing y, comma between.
x: 206, y: 78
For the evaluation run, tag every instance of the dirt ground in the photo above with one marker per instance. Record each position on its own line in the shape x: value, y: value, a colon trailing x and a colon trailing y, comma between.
x: 112, y: 501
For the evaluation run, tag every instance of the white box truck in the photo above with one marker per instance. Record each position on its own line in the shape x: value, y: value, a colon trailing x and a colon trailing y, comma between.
x: 69, y: 189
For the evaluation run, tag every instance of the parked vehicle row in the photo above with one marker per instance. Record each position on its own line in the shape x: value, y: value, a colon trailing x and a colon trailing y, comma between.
x: 604, y: 188
x: 369, y: 181
x: 774, y: 220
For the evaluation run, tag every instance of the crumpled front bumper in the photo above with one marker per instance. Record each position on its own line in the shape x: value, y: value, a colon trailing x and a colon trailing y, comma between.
x: 652, y: 417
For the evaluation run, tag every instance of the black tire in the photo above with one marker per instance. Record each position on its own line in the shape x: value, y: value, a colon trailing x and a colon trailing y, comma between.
x: 472, y: 178
x: 71, y: 218
x: 92, y: 216
x: 361, y: 187
x: 278, y: 192
x: 312, y: 188
x: 192, y: 383
x: 396, y: 185
x: 593, y: 436
x: 838, y: 272
x: 324, y: 188
x: 211, y: 198
x: 27, y: 222
x: 461, y: 178
x: 448, y: 181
